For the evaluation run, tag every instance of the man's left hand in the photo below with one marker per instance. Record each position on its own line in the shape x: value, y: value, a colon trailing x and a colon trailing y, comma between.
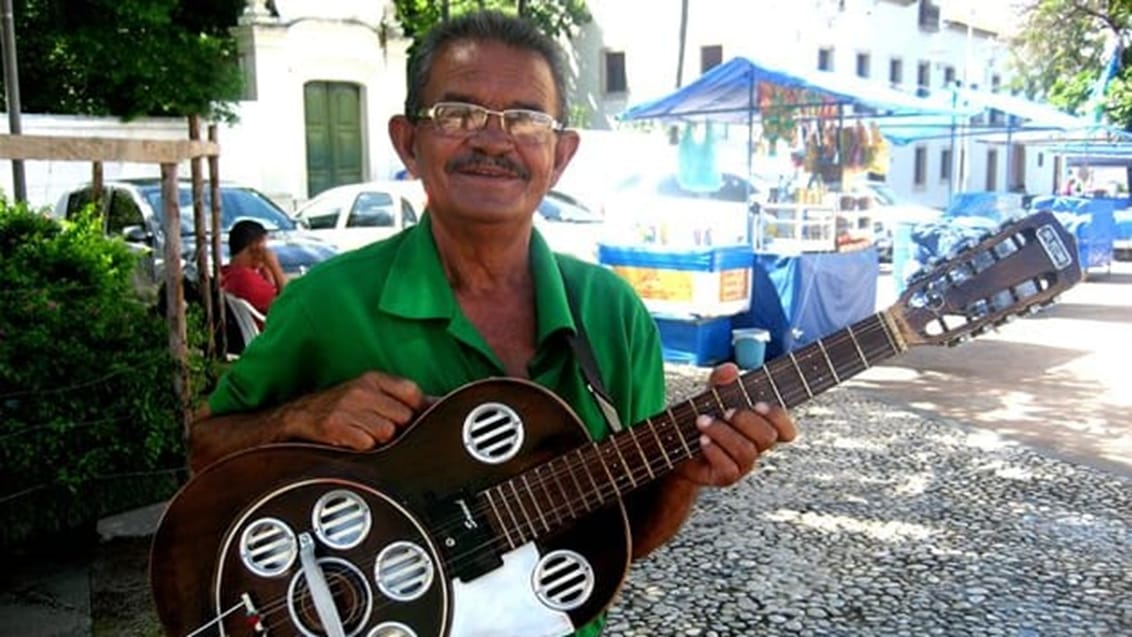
x: 732, y: 444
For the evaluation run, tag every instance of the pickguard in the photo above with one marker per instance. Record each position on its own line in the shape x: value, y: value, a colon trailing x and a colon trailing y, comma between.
x: 503, y: 602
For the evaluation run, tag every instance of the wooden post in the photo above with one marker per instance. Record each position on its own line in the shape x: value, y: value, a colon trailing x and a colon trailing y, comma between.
x: 214, y: 191
x: 174, y: 291
x: 96, y: 181
x: 204, y: 277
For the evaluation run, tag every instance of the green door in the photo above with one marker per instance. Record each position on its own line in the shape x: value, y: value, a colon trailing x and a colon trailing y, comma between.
x: 334, y: 135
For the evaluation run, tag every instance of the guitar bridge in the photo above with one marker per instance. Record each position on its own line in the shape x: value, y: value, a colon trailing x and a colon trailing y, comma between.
x: 252, y: 615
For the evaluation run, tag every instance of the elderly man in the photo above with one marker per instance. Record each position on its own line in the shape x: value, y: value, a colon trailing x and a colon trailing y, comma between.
x: 357, y: 348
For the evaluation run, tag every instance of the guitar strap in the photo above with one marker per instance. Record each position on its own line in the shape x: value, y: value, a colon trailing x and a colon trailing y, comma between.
x: 583, y: 353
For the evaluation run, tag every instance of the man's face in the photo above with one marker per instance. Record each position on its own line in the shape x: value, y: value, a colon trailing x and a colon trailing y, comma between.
x: 486, y: 175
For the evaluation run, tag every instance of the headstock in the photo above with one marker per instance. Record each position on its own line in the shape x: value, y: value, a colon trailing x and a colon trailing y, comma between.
x: 1020, y: 269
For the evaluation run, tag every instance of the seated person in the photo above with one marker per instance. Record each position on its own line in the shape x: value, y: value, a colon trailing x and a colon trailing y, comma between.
x: 253, y: 272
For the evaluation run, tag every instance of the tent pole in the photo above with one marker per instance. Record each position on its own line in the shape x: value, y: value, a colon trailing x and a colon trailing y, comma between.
x: 954, y: 155
x: 754, y: 231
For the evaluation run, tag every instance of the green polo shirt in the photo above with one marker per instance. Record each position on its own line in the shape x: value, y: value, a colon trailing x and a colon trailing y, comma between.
x: 388, y: 307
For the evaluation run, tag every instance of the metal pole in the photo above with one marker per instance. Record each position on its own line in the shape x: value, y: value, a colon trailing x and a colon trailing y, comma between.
x: 12, y: 86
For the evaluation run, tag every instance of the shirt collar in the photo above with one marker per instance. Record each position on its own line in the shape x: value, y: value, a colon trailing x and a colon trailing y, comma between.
x: 422, y: 290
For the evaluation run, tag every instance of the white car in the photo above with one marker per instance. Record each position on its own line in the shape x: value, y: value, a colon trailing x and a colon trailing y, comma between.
x: 886, y: 209
x: 354, y: 215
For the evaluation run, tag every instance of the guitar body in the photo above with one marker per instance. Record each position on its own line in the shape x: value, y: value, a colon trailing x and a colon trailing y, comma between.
x: 389, y: 531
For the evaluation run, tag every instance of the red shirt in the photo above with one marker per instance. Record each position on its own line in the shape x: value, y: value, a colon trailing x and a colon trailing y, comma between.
x: 250, y: 284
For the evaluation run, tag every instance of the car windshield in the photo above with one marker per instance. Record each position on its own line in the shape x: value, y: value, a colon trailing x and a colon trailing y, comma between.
x: 884, y: 194
x: 235, y: 204
x: 556, y: 207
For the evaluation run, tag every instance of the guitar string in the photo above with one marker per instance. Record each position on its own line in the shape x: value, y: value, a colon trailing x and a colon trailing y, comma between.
x: 677, y: 413
x: 609, y: 489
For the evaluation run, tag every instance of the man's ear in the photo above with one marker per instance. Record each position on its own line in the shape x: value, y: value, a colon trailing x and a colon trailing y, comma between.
x: 565, y: 147
x: 403, y: 134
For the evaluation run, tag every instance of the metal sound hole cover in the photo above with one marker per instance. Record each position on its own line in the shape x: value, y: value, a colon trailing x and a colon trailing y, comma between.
x: 493, y: 433
x: 268, y: 547
x: 391, y: 629
x: 563, y: 580
x: 403, y: 571
x: 351, y: 596
x: 341, y: 519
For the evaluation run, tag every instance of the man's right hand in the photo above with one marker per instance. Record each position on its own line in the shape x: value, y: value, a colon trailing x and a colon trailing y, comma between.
x: 359, y: 414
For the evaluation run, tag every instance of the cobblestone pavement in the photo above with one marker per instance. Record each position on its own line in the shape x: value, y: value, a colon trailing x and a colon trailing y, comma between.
x: 877, y: 521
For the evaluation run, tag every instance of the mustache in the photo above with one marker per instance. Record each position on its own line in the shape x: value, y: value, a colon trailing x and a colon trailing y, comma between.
x: 480, y: 160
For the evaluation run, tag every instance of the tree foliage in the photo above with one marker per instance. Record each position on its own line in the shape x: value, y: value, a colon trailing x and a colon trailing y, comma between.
x: 557, y: 18
x: 1062, y: 47
x: 128, y: 58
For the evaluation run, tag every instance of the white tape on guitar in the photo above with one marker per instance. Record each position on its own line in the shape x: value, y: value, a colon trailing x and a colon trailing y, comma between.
x: 503, y: 602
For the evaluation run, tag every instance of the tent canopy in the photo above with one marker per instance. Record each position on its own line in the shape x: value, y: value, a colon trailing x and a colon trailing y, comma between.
x: 732, y: 93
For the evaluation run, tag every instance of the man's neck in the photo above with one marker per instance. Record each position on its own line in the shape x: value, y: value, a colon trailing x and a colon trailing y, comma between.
x: 485, y: 261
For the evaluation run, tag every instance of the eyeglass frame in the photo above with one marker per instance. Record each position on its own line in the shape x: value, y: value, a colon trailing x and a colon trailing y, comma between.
x: 428, y: 113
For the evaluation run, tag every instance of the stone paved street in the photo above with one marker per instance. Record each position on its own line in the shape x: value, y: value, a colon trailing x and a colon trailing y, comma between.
x: 877, y: 521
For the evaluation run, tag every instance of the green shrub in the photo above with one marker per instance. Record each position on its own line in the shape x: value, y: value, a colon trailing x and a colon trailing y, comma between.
x: 89, y: 423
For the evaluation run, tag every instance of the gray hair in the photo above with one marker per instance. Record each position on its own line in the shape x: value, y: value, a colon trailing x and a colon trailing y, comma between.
x: 490, y: 26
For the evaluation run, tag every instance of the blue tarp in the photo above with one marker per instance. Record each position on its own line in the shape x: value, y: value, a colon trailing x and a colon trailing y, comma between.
x: 729, y: 93
x: 1092, y: 222
x: 813, y: 295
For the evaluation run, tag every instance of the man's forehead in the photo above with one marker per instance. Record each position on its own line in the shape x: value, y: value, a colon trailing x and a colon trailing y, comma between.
x: 487, y: 59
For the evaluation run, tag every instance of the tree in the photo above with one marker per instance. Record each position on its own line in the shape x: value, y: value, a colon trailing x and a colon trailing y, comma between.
x: 128, y: 58
x: 1061, y: 49
x: 556, y: 18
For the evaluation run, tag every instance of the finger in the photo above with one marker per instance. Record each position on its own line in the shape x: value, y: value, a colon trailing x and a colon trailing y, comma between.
x: 724, y: 374
x: 402, y: 389
x: 780, y: 419
x: 351, y: 437
x: 724, y: 470
x: 742, y: 450
x: 390, y: 408
x: 754, y: 427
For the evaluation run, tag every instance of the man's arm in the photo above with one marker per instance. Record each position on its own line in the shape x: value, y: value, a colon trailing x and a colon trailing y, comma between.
x: 658, y: 511
x: 359, y: 414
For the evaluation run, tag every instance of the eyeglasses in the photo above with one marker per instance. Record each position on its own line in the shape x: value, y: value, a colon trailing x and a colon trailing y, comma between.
x: 458, y: 119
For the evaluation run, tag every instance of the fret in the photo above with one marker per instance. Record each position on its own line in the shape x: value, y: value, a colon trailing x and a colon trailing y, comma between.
x: 832, y: 369
x: 747, y: 397
x: 815, y: 369
x: 801, y: 376
x: 845, y: 352
x: 523, y: 509
x: 518, y: 527
x: 679, y: 432
x: 499, y: 519
x: 659, y: 443
x: 562, y: 489
x: 577, y: 484
x: 625, y: 467
x: 586, y: 466
x: 773, y: 385
x: 640, y: 450
x: 549, y: 502
x: 718, y: 401
x: 860, y: 352
x: 608, y: 473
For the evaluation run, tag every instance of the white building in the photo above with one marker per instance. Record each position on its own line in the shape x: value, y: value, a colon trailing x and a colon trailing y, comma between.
x: 629, y: 54
x: 324, y: 76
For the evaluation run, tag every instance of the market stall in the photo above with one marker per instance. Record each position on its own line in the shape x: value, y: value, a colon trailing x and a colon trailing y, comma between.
x: 826, y: 125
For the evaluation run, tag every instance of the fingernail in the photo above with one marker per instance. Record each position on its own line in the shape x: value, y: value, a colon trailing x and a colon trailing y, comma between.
x: 762, y: 408
x: 705, y: 441
x: 729, y: 414
x: 703, y: 421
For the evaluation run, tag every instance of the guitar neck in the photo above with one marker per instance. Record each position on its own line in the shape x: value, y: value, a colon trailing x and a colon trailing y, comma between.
x: 549, y: 497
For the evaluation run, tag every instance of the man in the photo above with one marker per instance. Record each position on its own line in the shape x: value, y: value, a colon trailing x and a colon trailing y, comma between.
x: 355, y: 346
x: 253, y: 272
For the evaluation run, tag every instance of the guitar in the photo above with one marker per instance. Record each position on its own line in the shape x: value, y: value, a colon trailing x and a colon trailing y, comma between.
x: 494, y: 513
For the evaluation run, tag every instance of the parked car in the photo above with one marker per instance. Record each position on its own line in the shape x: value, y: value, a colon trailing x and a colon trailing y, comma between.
x: 569, y: 226
x: 658, y: 209
x: 353, y: 215
x: 133, y: 210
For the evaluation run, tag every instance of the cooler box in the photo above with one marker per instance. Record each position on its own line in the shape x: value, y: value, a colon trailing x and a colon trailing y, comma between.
x: 701, y: 342
x: 694, y: 283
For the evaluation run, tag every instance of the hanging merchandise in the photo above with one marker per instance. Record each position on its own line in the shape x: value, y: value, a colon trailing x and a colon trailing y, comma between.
x: 878, y: 160
x: 697, y: 163
x: 776, y: 107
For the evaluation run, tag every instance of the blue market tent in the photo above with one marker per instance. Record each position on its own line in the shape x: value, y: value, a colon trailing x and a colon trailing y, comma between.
x: 729, y: 93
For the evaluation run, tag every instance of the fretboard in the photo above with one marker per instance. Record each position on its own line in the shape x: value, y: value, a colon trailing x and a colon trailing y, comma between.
x: 550, y: 497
